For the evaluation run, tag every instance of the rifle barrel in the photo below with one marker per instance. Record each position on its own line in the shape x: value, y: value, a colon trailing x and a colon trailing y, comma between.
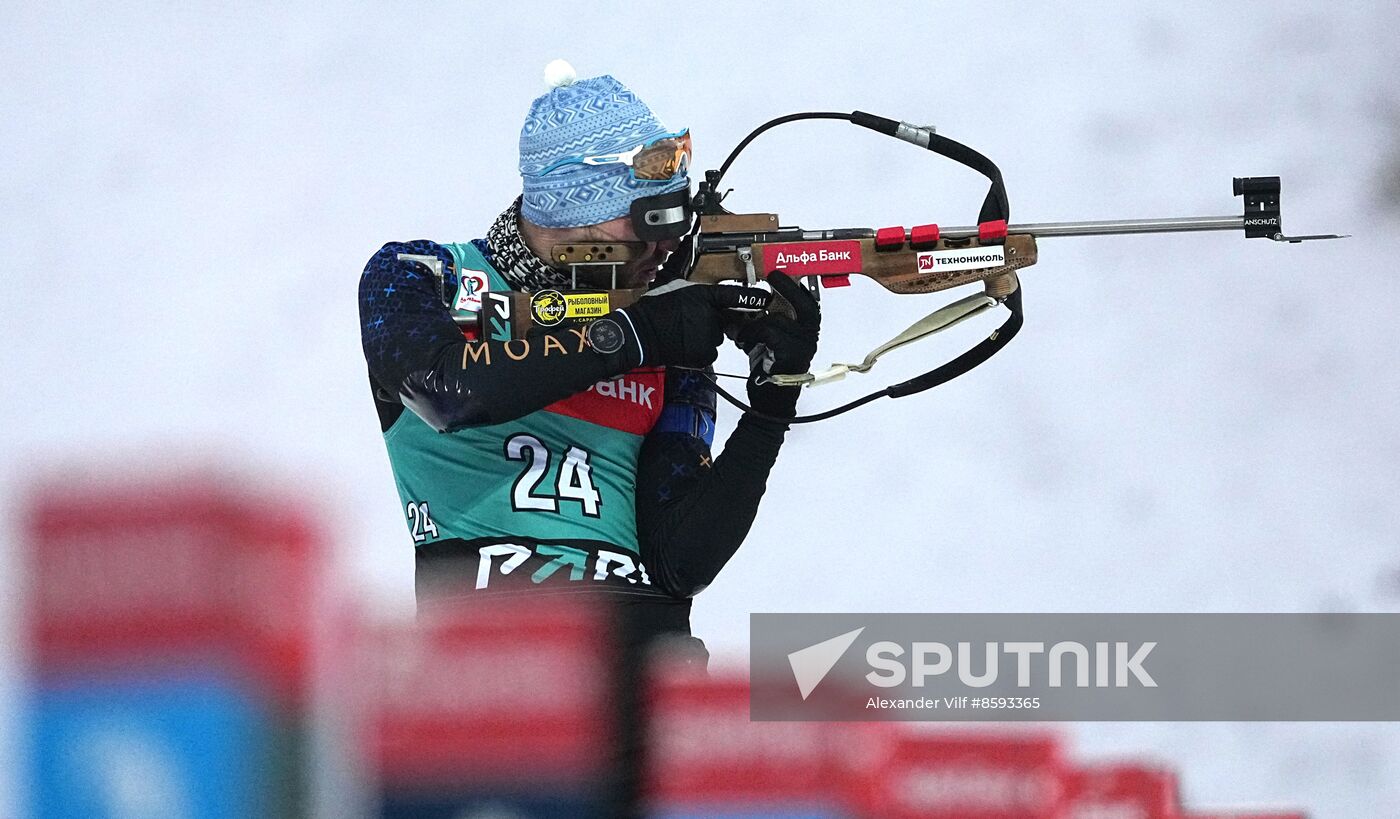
x: 1102, y: 227
x: 1111, y: 227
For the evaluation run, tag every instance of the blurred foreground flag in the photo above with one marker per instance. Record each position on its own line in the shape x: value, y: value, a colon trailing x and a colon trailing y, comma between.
x: 496, y: 709
x: 706, y: 758
x: 171, y: 625
x: 1121, y: 791
x: 968, y: 774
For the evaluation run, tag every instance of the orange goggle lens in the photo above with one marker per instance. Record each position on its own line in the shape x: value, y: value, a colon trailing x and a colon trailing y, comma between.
x: 662, y: 159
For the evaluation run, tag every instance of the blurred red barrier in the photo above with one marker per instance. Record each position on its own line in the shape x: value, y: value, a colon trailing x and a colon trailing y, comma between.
x: 512, y: 691
x: 134, y: 573
x: 968, y: 774
x: 1121, y: 791
x: 705, y: 752
x: 174, y: 619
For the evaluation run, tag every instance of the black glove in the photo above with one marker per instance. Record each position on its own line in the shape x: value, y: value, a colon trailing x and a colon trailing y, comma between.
x: 780, y: 344
x: 682, y: 323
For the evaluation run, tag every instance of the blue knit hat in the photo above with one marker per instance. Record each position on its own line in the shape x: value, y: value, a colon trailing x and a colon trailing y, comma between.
x: 585, y: 118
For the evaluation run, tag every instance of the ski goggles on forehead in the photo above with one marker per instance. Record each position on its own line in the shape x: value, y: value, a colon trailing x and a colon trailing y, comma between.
x: 662, y: 158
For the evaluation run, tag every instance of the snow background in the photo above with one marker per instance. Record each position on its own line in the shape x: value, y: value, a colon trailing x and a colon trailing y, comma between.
x: 1187, y: 423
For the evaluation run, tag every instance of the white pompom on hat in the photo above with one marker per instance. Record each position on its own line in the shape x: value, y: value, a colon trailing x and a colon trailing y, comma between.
x: 559, y: 74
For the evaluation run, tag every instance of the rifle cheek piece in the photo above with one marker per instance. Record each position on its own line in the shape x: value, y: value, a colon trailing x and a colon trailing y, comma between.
x: 662, y: 217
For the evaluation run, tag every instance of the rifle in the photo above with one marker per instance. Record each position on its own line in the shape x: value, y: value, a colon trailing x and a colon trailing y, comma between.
x: 723, y: 246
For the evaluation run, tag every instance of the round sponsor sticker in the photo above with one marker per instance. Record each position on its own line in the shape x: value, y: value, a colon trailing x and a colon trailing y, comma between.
x: 549, y: 307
